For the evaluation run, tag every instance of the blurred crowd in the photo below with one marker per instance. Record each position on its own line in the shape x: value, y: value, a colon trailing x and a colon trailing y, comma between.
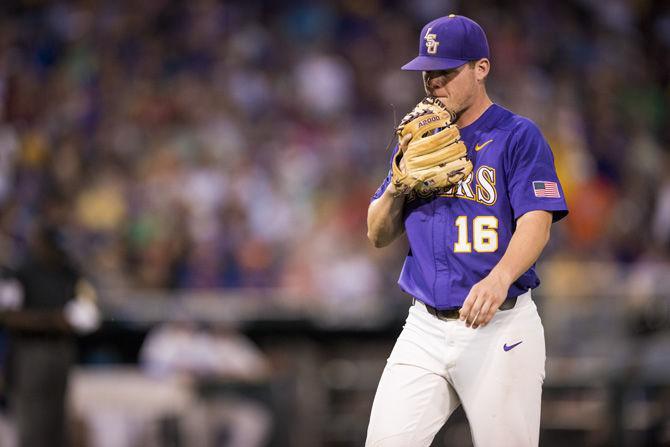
x: 208, y: 144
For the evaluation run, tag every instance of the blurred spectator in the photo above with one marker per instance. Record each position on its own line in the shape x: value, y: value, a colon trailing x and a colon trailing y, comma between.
x: 45, y: 302
x: 217, y: 355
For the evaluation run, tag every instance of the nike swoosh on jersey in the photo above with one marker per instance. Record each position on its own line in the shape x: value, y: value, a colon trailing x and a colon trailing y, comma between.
x: 507, y: 348
x: 479, y: 147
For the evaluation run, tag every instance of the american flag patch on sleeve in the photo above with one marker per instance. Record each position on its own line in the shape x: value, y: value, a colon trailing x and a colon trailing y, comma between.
x: 546, y: 189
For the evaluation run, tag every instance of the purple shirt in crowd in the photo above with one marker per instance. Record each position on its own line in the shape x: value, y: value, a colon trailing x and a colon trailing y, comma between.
x: 457, y: 235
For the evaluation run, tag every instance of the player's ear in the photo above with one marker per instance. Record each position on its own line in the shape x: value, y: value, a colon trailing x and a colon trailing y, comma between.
x: 482, y: 67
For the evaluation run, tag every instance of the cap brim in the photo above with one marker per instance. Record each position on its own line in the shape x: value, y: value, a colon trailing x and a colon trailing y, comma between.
x: 431, y: 63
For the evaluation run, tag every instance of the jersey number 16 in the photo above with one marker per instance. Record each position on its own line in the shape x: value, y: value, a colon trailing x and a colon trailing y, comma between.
x: 484, y: 234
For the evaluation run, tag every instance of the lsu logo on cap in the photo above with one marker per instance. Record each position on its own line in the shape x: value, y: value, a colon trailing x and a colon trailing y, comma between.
x: 431, y: 43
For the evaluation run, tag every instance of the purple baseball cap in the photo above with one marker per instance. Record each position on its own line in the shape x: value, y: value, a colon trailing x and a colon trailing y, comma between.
x: 449, y: 42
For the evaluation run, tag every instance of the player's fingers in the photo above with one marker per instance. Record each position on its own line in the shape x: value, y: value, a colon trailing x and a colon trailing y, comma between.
x: 483, y: 316
x: 491, y: 311
x: 467, y: 304
x: 404, y: 141
x: 483, y: 304
x: 489, y: 315
x: 474, y: 310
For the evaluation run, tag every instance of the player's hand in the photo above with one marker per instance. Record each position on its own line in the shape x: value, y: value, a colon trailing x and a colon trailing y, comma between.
x: 483, y: 301
x: 403, y: 142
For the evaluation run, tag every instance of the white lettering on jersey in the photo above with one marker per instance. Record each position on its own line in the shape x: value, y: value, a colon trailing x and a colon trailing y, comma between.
x: 485, y: 187
x: 463, y: 188
x: 486, y: 182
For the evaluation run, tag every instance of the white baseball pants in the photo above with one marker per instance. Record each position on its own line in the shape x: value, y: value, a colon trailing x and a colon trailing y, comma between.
x: 496, y: 372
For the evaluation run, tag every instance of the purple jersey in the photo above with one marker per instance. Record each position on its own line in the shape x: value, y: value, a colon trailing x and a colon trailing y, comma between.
x: 456, y: 236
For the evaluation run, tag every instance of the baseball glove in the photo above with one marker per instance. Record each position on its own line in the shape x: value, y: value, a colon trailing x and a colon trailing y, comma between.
x: 435, y: 157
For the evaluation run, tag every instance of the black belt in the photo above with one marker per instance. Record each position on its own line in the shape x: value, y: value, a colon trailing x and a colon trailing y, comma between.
x: 453, y: 314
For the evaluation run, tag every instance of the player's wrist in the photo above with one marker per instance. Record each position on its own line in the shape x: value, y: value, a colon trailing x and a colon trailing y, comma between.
x: 394, y: 192
x: 502, y: 277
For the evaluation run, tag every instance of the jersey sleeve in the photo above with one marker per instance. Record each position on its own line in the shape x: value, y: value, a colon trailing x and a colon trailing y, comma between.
x: 532, y: 179
x: 387, y: 180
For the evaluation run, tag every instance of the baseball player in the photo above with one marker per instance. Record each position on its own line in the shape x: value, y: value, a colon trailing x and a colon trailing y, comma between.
x: 473, y: 336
